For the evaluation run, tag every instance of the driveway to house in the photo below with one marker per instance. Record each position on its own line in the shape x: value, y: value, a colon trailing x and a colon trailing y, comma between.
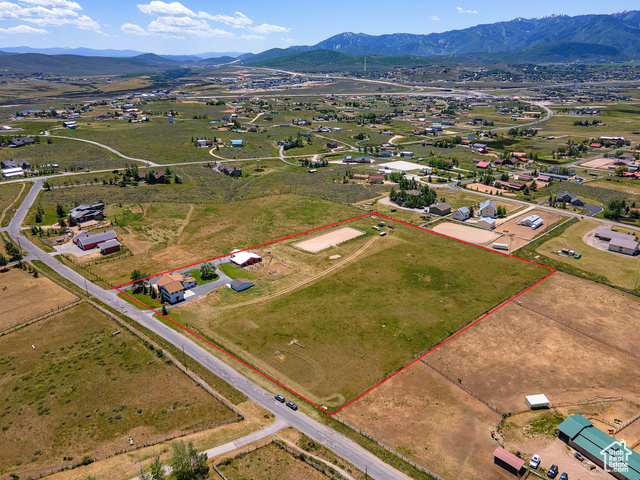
x: 112, y: 150
x: 323, y: 434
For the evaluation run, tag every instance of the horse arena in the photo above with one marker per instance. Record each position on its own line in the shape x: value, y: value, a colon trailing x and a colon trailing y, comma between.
x: 330, y: 239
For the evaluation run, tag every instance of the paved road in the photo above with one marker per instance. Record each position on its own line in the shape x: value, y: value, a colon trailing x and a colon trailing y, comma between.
x: 320, y: 433
x: 272, y: 429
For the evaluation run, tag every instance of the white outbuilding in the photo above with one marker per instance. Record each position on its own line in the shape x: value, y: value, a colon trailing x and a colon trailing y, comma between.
x: 537, y: 401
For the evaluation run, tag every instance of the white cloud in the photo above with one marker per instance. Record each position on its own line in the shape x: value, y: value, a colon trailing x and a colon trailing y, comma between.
x: 253, y: 37
x: 462, y: 10
x: 184, y: 26
x: 288, y: 40
x: 133, y: 29
x: 435, y: 19
x: 265, y: 28
x: 48, y: 13
x: 161, y: 8
x: 239, y: 20
x: 23, y: 29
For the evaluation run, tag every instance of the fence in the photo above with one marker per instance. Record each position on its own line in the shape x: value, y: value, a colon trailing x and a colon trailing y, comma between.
x: 39, y: 317
x: 307, y: 459
x: 390, y: 450
x: 458, y: 383
x: 84, y: 267
x: 582, y: 332
x: 626, y: 424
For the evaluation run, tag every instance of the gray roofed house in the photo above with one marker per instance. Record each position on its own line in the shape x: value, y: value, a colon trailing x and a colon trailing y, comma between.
x: 568, y: 197
x: 84, y: 213
x: 461, y: 214
x: 487, y: 209
x: 86, y: 240
x: 14, y: 163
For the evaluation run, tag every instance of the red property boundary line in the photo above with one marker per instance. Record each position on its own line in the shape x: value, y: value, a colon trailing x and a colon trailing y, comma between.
x: 553, y: 270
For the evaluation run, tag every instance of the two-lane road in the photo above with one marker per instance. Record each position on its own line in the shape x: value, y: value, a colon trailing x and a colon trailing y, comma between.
x: 320, y: 433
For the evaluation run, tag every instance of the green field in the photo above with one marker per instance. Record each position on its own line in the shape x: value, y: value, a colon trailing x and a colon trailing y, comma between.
x: 402, y: 294
x: 82, y: 391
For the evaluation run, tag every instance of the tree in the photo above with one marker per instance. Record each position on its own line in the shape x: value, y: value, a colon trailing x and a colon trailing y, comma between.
x: 164, y: 310
x: 15, y: 254
x: 60, y: 211
x: 187, y: 464
x: 137, y: 279
x: 156, y: 469
x: 3, y: 260
x: 178, y: 179
x: 207, y: 270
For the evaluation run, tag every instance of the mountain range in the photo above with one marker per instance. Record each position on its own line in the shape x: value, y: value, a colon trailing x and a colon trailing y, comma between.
x: 551, y: 39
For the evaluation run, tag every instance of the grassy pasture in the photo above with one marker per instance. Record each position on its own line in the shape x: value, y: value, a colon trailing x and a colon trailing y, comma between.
x: 401, y: 295
x: 82, y: 391
x: 624, y: 185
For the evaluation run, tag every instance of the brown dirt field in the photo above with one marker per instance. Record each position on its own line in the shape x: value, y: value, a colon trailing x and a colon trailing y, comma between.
x: 510, y: 207
x: 269, y: 463
x: 511, y: 226
x: 329, y: 239
x: 468, y: 234
x: 515, y: 352
x: 602, y: 311
x: 598, y: 163
x: 513, y: 242
x: 632, y: 435
x: 491, y: 190
x: 450, y: 431
x: 26, y: 297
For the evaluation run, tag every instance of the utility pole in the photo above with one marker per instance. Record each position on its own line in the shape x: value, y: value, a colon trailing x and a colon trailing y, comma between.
x: 184, y: 358
x: 365, y: 64
x: 85, y: 287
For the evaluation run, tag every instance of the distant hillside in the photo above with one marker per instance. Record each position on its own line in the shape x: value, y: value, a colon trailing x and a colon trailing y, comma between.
x: 620, y: 31
x: 217, y: 60
x: 76, y: 65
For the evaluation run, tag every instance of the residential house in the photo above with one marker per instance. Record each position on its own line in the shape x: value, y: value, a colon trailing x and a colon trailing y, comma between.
x: 244, y: 258
x: 461, y: 214
x: 511, y: 185
x: 570, y: 198
x: 332, y: 145
x: 173, y: 285
x: 231, y: 171
x: 14, y: 163
x: 483, y: 165
x: 376, y: 179
x: 204, y: 143
x: 87, y: 212
x: 487, y: 209
x: 21, y: 141
x: 543, y: 178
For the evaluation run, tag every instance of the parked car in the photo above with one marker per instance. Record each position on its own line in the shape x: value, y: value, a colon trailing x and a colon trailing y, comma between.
x: 578, y: 455
x: 535, y: 461
x: 553, y: 471
x: 279, y: 398
x: 564, y: 476
x: 292, y: 405
x: 392, y: 227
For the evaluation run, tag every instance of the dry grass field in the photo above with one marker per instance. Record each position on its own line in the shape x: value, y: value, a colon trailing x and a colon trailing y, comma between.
x: 516, y: 352
x: 427, y: 418
x: 82, y: 391
x: 23, y: 297
x: 269, y: 463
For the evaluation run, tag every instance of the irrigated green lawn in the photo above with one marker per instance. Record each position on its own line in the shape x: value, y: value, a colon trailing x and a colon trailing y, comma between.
x: 404, y: 294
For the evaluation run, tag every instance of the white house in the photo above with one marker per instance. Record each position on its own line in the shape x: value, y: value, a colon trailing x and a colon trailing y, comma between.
x: 487, y: 223
x: 461, y: 214
x: 242, y: 259
x: 487, y: 209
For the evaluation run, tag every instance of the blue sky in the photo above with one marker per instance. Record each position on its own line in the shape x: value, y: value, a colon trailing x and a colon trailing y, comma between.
x: 195, y: 26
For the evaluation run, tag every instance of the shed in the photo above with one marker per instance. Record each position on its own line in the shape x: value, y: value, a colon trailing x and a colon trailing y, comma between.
x: 240, y: 284
x: 623, y: 245
x: 508, y: 461
x: 242, y: 259
x: 441, y: 209
x: 110, y: 246
x: 537, y: 401
x: 487, y: 223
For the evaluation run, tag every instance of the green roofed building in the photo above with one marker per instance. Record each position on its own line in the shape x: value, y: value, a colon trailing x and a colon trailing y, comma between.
x: 607, y: 452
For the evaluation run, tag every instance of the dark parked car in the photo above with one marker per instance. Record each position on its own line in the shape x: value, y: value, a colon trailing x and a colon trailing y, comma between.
x: 292, y: 405
x: 564, y: 476
x: 391, y: 227
x: 280, y: 398
x: 553, y: 471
